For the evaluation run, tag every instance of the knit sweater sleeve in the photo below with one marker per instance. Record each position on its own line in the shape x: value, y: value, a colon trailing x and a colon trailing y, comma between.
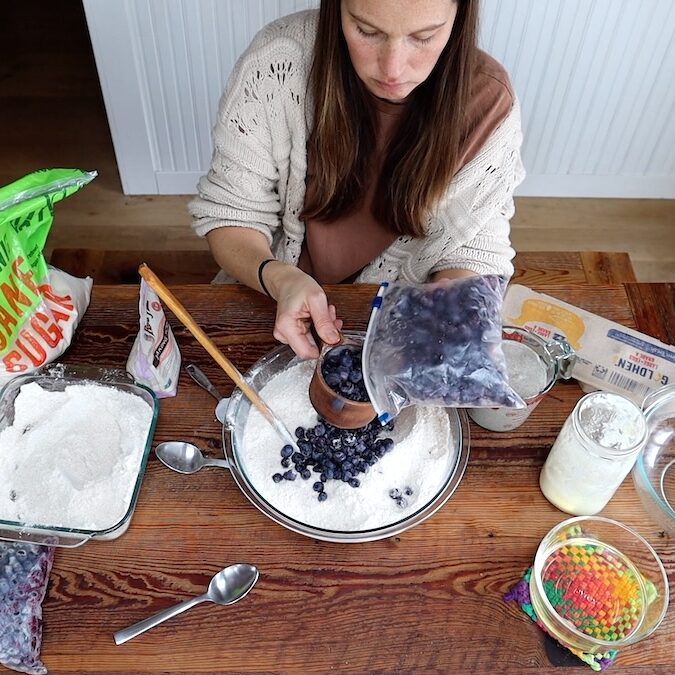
x: 252, y: 135
x: 483, y: 205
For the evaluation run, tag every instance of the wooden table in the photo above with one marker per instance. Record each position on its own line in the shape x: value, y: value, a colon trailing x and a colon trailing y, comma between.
x: 429, y: 600
x: 198, y: 266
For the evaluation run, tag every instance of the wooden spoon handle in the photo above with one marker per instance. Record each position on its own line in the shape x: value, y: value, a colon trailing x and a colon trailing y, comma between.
x: 205, y: 341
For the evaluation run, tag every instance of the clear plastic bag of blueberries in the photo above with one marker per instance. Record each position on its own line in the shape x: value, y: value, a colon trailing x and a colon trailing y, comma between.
x: 437, y: 344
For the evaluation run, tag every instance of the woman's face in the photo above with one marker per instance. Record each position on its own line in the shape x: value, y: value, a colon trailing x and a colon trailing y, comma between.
x: 394, y: 44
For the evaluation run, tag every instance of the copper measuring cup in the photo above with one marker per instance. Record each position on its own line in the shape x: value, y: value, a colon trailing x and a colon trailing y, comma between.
x: 336, y: 409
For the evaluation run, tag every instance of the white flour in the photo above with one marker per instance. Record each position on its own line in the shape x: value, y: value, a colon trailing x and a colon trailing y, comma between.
x: 71, y: 458
x: 422, y: 457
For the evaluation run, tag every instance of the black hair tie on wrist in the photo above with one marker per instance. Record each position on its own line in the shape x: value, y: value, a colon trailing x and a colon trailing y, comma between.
x: 260, y: 276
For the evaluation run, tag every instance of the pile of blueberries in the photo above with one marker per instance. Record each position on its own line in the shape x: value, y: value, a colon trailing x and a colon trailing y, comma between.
x: 341, y: 370
x: 442, y: 344
x: 334, y: 454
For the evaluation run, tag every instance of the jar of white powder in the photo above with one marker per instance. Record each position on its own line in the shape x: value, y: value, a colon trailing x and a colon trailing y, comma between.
x: 533, y: 366
x: 595, y: 449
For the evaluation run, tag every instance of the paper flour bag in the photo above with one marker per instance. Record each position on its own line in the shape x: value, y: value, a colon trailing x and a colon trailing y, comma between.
x: 155, y: 358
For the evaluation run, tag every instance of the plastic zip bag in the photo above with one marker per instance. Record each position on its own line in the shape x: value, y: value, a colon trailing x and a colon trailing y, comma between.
x: 437, y: 344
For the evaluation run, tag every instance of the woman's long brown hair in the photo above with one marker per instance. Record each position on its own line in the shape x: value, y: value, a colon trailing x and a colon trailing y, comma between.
x: 423, y: 155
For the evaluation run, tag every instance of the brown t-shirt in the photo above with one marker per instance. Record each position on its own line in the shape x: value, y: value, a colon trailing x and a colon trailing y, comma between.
x: 335, y: 252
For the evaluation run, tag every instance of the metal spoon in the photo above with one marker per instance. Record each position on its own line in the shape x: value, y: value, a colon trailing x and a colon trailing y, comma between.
x: 185, y: 457
x: 226, y: 587
x: 199, y: 376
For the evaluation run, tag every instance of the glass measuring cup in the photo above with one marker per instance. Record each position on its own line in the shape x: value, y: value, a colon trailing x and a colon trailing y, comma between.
x: 547, y: 361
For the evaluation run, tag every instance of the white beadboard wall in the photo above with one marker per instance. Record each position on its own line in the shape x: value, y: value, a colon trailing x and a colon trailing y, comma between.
x: 595, y: 79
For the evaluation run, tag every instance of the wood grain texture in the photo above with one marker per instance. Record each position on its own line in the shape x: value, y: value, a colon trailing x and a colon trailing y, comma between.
x: 188, y: 266
x: 426, y: 601
x: 654, y: 305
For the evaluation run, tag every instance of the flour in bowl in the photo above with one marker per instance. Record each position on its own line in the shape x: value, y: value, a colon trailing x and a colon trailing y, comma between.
x: 71, y: 458
x: 418, y: 466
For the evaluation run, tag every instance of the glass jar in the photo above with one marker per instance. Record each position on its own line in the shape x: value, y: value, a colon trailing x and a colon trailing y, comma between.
x: 595, y: 449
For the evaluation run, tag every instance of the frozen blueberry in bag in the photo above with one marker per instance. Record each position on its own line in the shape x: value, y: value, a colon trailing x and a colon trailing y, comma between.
x: 24, y: 575
x: 437, y: 344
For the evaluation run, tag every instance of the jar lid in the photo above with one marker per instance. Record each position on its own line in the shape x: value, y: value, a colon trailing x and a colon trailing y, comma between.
x: 654, y: 471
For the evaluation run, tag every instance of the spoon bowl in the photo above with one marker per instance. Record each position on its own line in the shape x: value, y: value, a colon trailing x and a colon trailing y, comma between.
x: 227, y: 587
x: 232, y: 583
x: 185, y: 457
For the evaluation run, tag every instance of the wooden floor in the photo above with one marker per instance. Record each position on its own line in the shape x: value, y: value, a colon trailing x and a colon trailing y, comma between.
x: 52, y: 114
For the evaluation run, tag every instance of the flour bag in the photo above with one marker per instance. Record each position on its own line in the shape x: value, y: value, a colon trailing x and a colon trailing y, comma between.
x: 40, y: 306
x: 155, y: 358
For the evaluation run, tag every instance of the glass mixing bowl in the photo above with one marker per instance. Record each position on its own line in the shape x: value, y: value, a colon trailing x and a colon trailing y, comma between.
x: 654, y: 470
x: 271, y: 365
x: 597, y: 585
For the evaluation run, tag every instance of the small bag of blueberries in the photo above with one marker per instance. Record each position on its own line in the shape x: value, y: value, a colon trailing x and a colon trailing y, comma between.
x: 437, y: 344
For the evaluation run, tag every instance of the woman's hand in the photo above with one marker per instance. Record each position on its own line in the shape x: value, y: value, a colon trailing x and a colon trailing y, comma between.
x: 301, y: 302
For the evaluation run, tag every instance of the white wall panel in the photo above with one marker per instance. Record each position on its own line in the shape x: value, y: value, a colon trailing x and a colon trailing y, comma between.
x: 594, y: 77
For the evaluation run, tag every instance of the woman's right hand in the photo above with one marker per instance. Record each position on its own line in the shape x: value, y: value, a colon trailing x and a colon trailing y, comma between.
x: 301, y: 302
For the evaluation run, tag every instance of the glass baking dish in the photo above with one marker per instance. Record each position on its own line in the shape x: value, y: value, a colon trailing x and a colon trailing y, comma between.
x: 56, y: 377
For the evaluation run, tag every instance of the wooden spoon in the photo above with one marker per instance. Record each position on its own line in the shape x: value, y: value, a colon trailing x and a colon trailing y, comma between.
x: 186, y: 319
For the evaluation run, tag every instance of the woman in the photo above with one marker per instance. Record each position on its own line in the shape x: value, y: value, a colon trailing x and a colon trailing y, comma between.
x: 370, y: 141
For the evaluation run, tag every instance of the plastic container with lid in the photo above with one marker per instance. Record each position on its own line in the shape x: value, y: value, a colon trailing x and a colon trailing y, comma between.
x: 598, y: 585
x: 654, y: 470
x: 56, y: 377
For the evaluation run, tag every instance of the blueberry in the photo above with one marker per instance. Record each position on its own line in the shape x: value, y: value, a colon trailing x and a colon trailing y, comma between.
x: 286, y: 451
x: 300, y: 432
x: 395, y: 493
x: 402, y: 502
x: 305, y: 473
x: 332, y: 380
x: 322, y: 496
x: 289, y: 475
x: 318, y: 486
x: 319, y: 429
x: 277, y: 478
x: 286, y: 462
x: 354, y: 482
x: 408, y: 491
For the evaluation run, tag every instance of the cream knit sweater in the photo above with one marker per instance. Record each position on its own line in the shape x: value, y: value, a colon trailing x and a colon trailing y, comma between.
x: 257, y: 174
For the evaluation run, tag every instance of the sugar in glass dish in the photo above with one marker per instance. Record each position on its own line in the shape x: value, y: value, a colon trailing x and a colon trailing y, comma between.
x: 597, y: 585
x: 654, y: 470
x: 56, y: 378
